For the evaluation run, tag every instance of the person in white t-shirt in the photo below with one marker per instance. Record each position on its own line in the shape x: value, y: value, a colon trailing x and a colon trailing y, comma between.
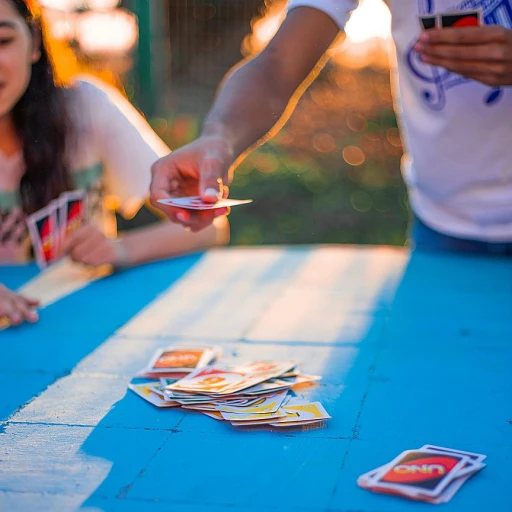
x: 454, y: 104
x: 88, y: 137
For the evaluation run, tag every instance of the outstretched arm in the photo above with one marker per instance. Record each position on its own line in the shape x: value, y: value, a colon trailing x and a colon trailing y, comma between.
x: 257, y: 96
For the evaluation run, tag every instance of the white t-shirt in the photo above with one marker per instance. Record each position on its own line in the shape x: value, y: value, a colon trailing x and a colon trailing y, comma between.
x: 457, y: 132
x: 110, y: 156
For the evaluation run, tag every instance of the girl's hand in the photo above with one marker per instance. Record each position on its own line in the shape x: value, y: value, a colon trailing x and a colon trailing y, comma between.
x: 16, y: 308
x: 88, y: 245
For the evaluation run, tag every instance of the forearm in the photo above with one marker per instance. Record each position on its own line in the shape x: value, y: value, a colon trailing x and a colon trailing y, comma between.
x: 247, y: 108
x: 167, y: 239
x: 262, y: 93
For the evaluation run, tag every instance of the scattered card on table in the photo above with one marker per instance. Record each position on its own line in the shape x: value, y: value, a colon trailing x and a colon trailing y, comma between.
x: 147, y: 392
x: 195, y: 203
x: 419, y: 472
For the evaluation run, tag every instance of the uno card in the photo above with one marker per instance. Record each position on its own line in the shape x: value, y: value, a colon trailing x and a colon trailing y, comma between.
x: 5, y: 323
x: 474, y: 464
x: 417, y: 473
x: 301, y: 380
x: 72, y: 211
x: 214, y: 414
x: 180, y: 359
x: 263, y: 405
x: 146, y: 392
x: 252, y: 419
x: 284, y: 424
x: 165, y: 381
x: 42, y: 227
x: 275, y: 368
x: 209, y: 380
x: 299, y: 411
x: 471, y: 18
x: 201, y: 407
x: 195, y: 203
x: 428, y: 22
x: 268, y: 386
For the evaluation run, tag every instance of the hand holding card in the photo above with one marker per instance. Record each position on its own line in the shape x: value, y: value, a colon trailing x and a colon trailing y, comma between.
x: 466, y: 46
x: 195, y: 203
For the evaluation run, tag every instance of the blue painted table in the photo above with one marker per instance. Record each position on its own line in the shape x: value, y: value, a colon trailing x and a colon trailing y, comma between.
x: 414, y: 349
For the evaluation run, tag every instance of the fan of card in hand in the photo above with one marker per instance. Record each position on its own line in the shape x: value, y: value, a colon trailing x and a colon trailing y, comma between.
x: 50, y: 226
x: 246, y: 395
x: 470, y: 18
x: 430, y: 473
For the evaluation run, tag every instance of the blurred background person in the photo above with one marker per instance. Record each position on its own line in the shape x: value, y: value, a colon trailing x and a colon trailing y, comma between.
x: 459, y: 177
x: 56, y: 137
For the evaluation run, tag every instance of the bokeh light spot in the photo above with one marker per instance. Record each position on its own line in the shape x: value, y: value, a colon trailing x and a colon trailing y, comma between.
x: 324, y: 142
x: 354, y: 155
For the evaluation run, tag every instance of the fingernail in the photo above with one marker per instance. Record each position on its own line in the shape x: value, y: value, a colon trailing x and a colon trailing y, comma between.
x: 418, y: 47
x: 211, y: 192
x: 424, y: 37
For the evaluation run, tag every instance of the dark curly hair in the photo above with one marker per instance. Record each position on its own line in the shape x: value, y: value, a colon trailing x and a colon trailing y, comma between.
x: 42, y: 122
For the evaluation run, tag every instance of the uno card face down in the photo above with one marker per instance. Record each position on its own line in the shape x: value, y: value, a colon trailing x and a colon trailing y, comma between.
x: 461, y: 19
x: 428, y: 22
x: 421, y: 472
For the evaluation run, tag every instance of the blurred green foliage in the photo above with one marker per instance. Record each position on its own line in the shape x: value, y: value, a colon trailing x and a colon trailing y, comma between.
x: 330, y: 176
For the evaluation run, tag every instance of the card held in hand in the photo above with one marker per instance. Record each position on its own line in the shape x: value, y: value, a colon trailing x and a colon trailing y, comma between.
x: 461, y: 19
x: 195, y: 203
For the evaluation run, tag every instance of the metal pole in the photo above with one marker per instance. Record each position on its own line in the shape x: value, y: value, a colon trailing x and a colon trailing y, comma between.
x: 151, y: 59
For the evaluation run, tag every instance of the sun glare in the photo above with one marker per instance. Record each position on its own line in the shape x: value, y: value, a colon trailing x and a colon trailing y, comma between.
x: 371, y: 19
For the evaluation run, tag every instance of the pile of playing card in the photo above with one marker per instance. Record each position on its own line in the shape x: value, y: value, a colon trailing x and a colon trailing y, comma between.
x: 430, y: 473
x: 252, y: 394
x: 50, y: 226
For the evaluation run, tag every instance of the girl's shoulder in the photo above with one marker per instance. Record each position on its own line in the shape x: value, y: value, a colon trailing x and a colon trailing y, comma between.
x: 89, y: 92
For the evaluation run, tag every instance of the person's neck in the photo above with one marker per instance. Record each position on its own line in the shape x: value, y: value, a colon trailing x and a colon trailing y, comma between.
x: 9, y: 141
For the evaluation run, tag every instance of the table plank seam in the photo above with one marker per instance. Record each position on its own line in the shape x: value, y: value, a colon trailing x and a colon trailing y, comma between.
x: 357, y: 426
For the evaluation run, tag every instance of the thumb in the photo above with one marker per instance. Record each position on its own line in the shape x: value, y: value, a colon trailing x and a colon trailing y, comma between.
x: 211, y: 180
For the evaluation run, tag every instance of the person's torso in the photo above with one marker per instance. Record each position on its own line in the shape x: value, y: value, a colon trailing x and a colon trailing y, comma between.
x: 456, y: 131
x: 86, y: 173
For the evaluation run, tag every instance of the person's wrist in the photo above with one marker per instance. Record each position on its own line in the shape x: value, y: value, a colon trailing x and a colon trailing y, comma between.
x: 219, y: 137
x: 122, y: 256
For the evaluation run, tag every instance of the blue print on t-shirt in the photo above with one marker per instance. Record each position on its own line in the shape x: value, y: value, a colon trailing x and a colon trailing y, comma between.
x: 438, y: 80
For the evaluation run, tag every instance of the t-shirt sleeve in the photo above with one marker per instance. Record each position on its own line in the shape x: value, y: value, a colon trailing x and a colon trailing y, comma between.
x: 127, y: 145
x: 338, y: 10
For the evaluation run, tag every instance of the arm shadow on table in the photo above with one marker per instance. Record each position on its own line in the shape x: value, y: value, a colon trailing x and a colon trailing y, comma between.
x: 431, y: 312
